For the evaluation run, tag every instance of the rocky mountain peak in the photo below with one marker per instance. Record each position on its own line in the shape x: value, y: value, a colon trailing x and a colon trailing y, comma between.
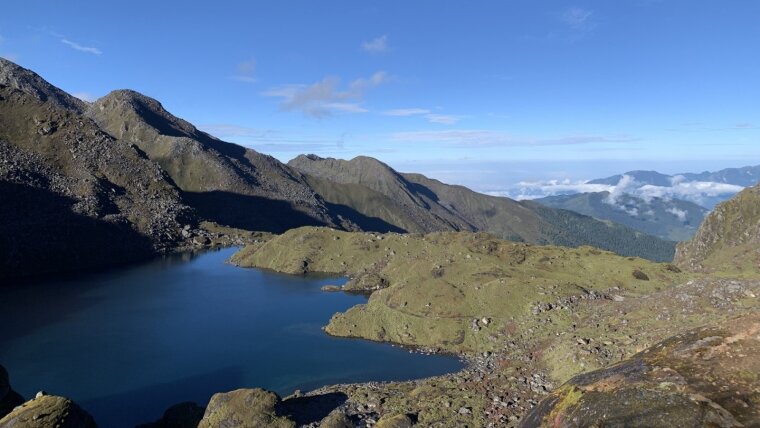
x: 728, y: 239
x: 14, y: 76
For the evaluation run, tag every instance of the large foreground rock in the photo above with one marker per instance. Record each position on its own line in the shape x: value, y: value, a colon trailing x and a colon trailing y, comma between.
x: 708, y: 377
x: 48, y: 411
x: 244, y: 408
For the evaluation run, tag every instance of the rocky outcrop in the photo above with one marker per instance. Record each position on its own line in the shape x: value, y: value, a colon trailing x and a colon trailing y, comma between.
x: 48, y: 411
x: 729, y: 238
x: 706, y: 377
x: 9, y: 398
x: 244, y: 408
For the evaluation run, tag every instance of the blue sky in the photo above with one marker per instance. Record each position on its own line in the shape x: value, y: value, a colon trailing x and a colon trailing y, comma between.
x: 482, y: 93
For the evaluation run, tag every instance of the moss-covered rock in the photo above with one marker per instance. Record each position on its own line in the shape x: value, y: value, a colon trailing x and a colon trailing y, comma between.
x: 394, y: 421
x: 708, y: 377
x: 336, y: 419
x: 48, y: 411
x: 244, y: 408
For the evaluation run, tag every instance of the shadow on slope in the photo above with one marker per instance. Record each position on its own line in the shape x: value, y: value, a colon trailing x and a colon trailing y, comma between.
x: 248, y: 212
x: 40, y: 234
x: 307, y: 410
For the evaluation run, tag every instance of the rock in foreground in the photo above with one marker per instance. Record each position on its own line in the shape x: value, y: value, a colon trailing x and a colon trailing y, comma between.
x: 244, y: 408
x: 708, y: 377
x: 48, y: 411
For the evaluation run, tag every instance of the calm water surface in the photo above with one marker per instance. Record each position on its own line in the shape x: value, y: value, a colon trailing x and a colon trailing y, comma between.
x: 129, y: 343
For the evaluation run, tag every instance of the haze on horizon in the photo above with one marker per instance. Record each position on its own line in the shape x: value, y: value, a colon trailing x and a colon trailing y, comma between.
x: 482, y: 94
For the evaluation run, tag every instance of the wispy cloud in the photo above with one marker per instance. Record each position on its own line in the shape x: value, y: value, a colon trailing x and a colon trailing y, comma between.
x: 326, y: 97
x: 77, y: 46
x: 376, y: 45
x: 246, y: 71
x: 406, y: 112
x: 444, y: 119
x: 85, y: 96
x: 578, y: 18
x: 486, y: 138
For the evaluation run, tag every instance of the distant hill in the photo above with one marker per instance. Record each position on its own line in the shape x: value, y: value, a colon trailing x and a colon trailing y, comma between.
x: 670, y: 219
x: 415, y: 203
x: 729, y: 238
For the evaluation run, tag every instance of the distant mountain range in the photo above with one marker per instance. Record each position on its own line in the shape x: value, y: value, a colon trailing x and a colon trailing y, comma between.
x: 88, y: 185
x: 671, y: 219
x: 746, y: 176
x: 706, y: 188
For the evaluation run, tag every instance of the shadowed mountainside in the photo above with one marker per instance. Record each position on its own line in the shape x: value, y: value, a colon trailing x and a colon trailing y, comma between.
x: 73, y: 197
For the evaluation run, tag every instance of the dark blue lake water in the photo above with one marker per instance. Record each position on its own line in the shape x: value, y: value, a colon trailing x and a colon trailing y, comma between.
x: 127, y: 344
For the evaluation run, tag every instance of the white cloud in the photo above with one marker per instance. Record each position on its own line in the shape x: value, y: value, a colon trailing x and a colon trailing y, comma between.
x: 325, y: 98
x: 85, y: 96
x: 681, y: 214
x: 77, y: 46
x: 246, y: 71
x: 578, y: 18
x: 376, y: 45
x: 406, y: 112
x: 699, y: 192
x: 485, y: 138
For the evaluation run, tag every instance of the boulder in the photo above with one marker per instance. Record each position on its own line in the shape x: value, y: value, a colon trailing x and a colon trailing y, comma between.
x: 336, y: 419
x: 707, y: 377
x: 244, y: 408
x: 48, y: 411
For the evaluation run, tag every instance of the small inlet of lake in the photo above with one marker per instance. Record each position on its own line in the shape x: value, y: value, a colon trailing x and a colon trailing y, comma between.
x: 129, y: 343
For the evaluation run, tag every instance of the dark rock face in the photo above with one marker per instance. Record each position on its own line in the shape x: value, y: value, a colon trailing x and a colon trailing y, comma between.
x: 9, y: 398
x: 244, y: 408
x: 708, y: 377
x: 48, y: 411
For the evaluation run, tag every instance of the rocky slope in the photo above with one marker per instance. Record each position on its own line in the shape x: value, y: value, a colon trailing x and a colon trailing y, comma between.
x: 226, y: 183
x: 74, y: 197
x: 671, y: 219
x: 415, y: 203
x: 728, y: 240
